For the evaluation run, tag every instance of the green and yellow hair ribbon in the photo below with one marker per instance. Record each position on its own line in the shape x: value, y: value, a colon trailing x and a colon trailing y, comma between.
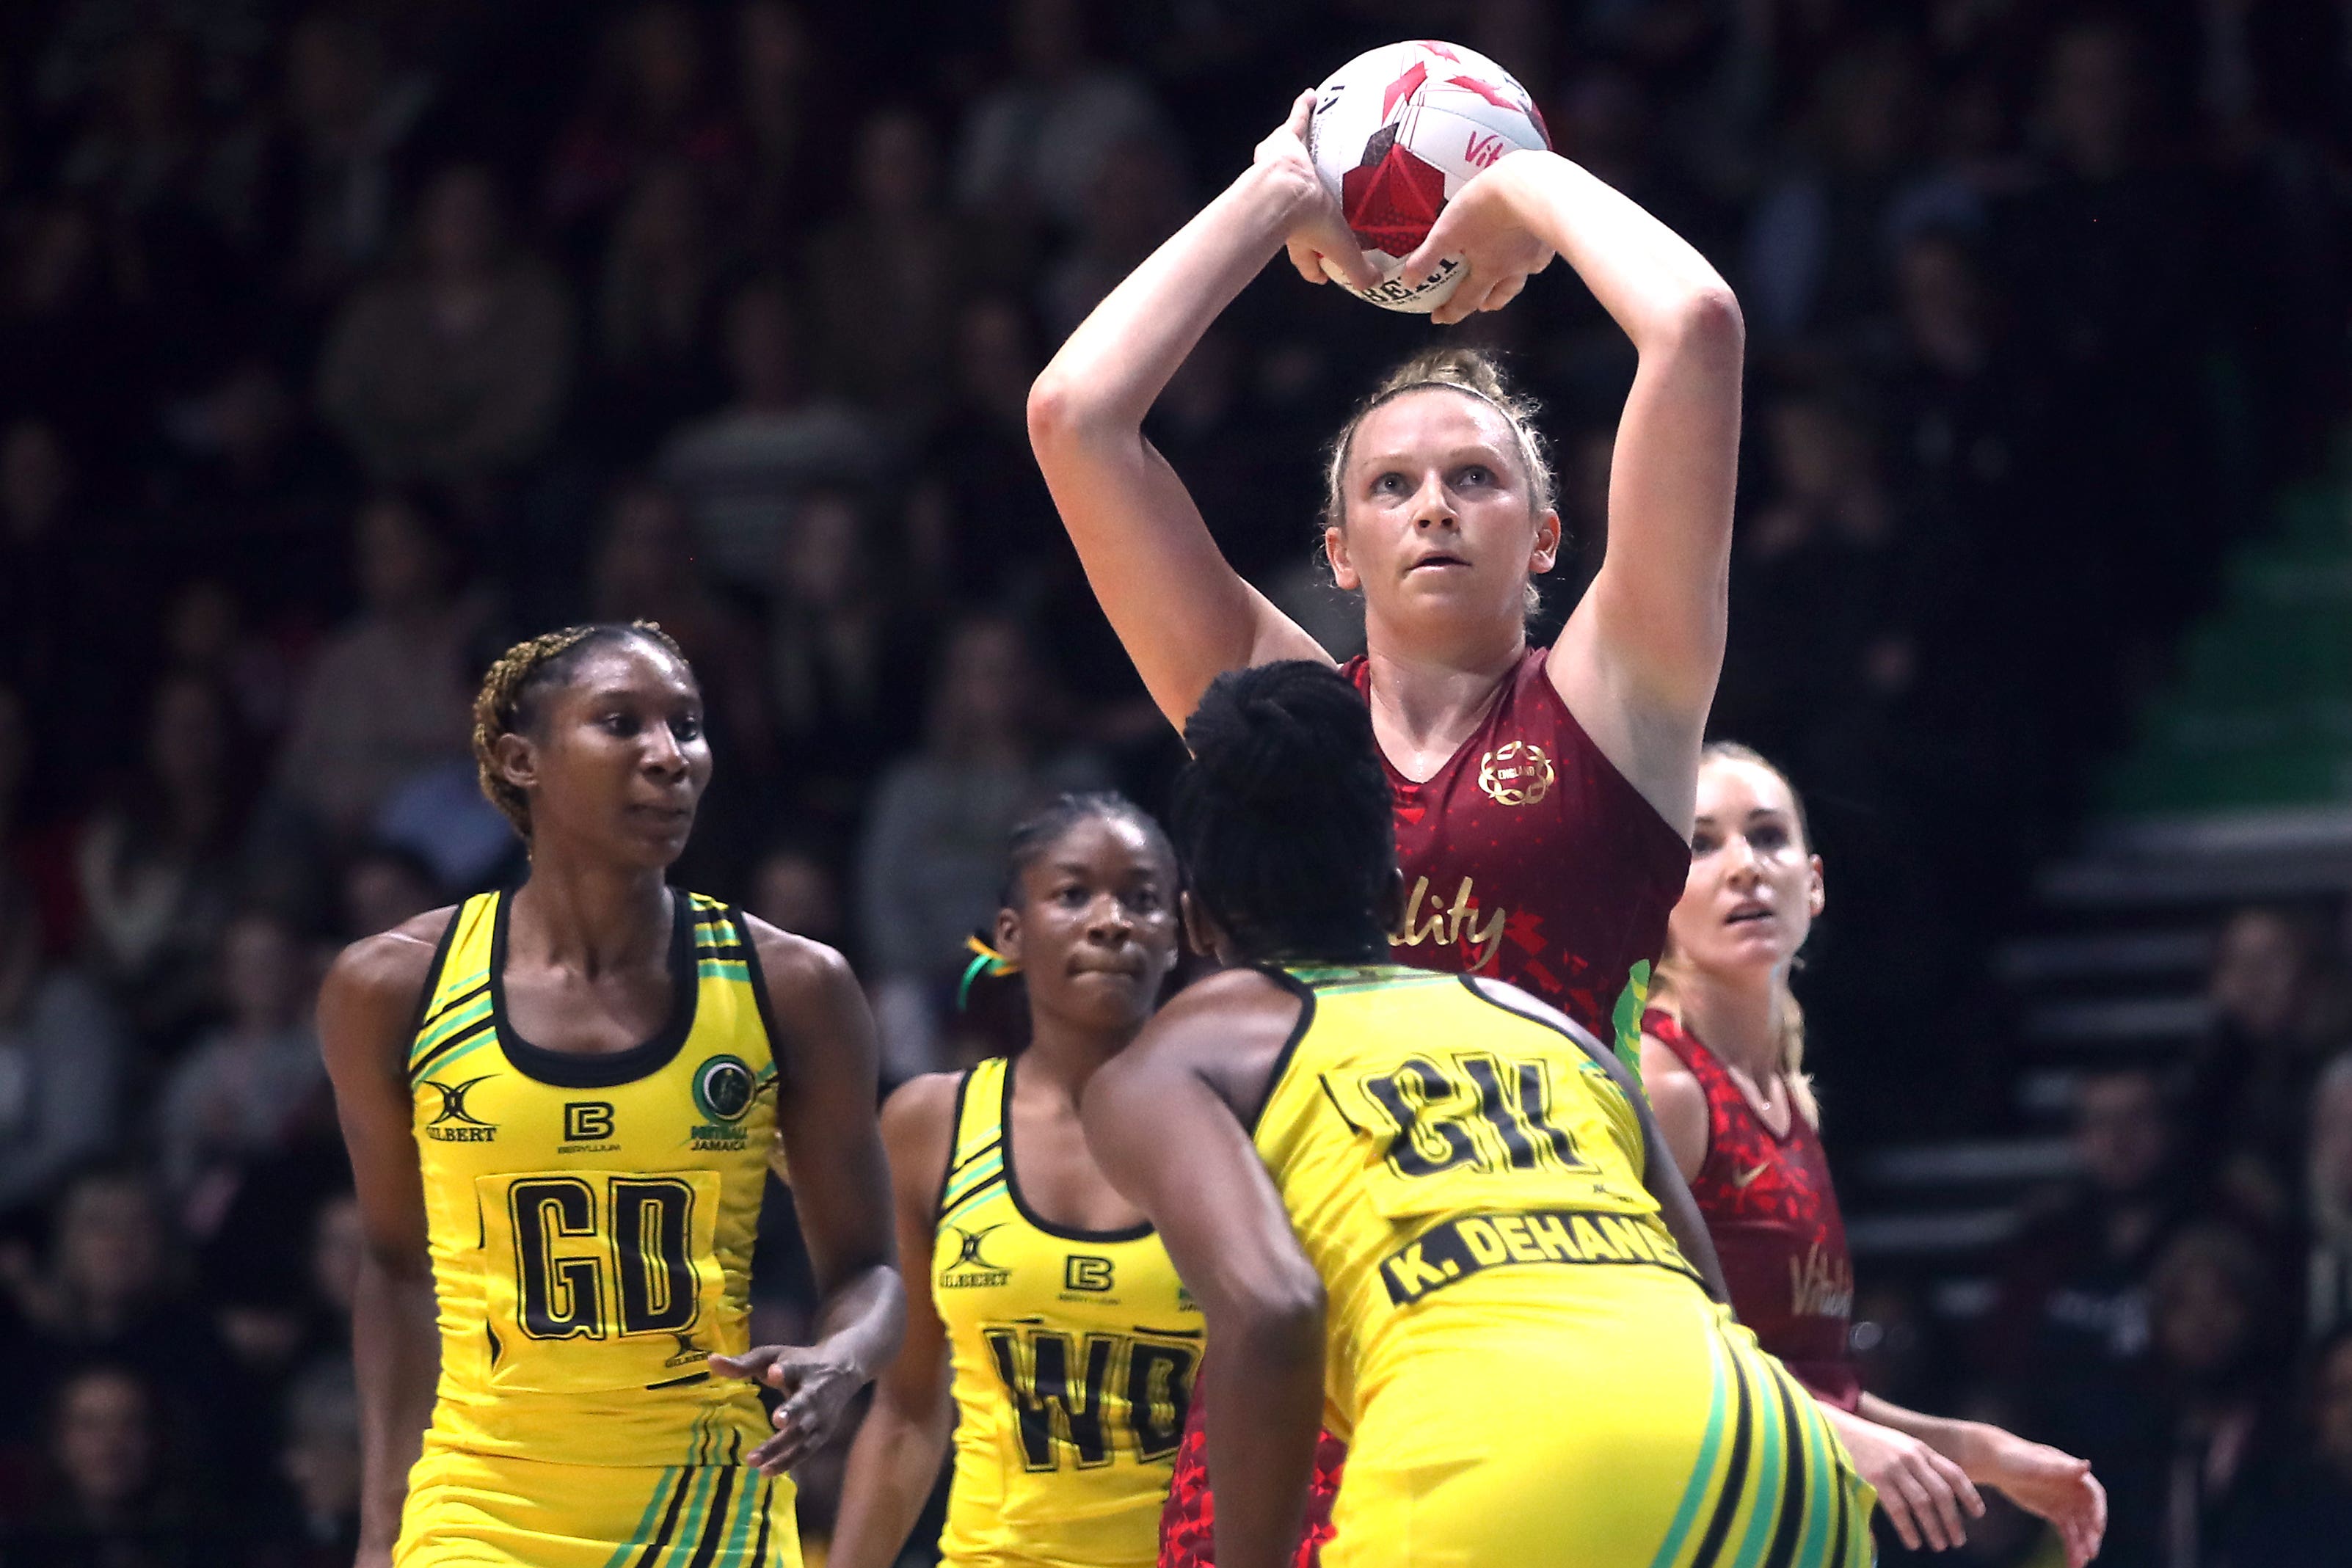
x: 986, y: 960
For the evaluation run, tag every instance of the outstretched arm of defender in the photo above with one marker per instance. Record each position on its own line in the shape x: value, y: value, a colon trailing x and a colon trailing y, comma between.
x: 1639, y: 658
x: 366, y: 1009
x: 1183, y: 614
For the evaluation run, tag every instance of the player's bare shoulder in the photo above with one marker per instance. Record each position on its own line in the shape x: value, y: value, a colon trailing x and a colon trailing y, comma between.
x: 921, y: 1109
x: 372, y: 991
x: 796, y: 968
x: 1227, y: 1028
x: 918, y: 1128
x: 815, y: 1005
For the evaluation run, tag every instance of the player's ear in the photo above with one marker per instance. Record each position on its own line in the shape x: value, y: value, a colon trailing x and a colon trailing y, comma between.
x: 1200, y: 932
x: 1008, y: 934
x: 516, y: 761
x: 1816, y: 898
x: 1546, y: 553
x: 1335, y: 550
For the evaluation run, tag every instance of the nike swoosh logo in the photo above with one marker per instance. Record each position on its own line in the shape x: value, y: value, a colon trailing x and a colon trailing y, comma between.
x: 1744, y: 1177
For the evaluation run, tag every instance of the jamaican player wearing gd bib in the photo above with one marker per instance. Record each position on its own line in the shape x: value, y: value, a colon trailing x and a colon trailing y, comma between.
x: 1052, y: 1306
x: 560, y: 1104
x: 1434, y: 1213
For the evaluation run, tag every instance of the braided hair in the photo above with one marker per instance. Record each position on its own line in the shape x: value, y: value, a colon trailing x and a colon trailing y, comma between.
x: 508, y: 703
x: 1282, y: 816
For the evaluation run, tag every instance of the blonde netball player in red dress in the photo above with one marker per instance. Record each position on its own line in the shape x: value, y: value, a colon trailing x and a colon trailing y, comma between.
x: 1722, y: 1056
x: 1543, y: 795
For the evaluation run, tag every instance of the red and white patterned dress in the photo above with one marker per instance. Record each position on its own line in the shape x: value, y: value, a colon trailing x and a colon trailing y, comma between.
x: 1774, y: 1217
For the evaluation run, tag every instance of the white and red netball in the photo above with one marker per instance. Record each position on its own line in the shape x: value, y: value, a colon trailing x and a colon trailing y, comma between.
x: 1397, y: 131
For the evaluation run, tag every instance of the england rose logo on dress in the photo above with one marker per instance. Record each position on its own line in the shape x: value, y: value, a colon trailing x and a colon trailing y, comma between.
x: 1515, y: 773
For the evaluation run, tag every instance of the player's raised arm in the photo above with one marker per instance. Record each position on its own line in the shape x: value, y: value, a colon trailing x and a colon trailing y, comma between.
x: 1172, y: 1143
x: 1637, y: 662
x: 841, y: 1190
x: 366, y: 1008
x: 896, y: 1459
x: 1183, y: 613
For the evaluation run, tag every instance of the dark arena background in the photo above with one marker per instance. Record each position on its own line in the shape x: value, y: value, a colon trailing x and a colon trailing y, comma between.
x: 341, y: 344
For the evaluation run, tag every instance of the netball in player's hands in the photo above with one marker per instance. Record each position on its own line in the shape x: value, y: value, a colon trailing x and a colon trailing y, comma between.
x: 1544, y: 793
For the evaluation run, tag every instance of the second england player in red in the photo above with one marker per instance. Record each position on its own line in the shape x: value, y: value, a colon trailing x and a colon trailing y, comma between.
x: 1723, y: 1055
x: 1543, y: 795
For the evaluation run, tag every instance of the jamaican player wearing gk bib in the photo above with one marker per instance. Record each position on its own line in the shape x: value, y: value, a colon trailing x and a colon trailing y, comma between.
x: 1052, y: 1309
x: 1432, y: 1212
x: 561, y: 1104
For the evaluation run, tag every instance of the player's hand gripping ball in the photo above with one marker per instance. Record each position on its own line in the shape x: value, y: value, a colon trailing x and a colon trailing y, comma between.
x: 1397, y: 133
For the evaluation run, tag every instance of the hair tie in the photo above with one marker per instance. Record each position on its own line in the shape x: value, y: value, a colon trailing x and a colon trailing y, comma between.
x: 986, y: 960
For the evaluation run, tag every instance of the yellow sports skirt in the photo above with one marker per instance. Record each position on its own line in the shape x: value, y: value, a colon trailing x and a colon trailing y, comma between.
x: 469, y: 1511
x: 1526, y: 1445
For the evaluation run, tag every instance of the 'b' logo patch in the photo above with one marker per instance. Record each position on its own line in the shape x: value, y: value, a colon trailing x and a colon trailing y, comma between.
x: 1081, y: 1272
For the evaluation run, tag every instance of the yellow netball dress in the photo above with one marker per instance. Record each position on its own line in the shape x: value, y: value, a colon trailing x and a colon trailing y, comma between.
x: 1524, y: 1366
x: 590, y: 1223
x: 1073, y: 1352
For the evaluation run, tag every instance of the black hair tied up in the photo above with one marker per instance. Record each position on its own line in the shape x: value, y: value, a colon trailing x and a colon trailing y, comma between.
x: 1283, y: 817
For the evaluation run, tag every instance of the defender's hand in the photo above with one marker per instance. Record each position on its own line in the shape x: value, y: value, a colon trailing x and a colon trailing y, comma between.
x: 817, y: 1385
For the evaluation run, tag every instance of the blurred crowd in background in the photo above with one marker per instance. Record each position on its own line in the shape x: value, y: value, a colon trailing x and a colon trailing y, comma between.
x: 342, y: 343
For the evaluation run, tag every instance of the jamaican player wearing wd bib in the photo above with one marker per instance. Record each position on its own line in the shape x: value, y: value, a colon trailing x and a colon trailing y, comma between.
x: 560, y: 1102
x: 1433, y: 1213
x: 1051, y: 1301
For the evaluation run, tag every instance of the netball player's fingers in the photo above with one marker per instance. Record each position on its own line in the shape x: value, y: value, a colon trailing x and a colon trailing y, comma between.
x: 1897, y: 1509
x: 1925, y: 1500
x: 1306, y: 259
x: 1469, y: 297
x: 778, y: 1454
x: 2084, y: 1525
x: 758, y: 1364
x: 1503, y: 293
x: 1958, y: 1480
x: 1934, y: 1502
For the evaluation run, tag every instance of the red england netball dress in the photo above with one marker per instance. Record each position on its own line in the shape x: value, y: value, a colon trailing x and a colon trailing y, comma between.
x: 1777, y: 1227
x: 1527, y: 857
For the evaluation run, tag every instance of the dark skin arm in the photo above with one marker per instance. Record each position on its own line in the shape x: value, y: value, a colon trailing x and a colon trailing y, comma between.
x: 1164, y: 1119
x: 841, y: 1190
x: 367, y: 1008
x: 898, y: 1450
x: 1677, y: 1207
